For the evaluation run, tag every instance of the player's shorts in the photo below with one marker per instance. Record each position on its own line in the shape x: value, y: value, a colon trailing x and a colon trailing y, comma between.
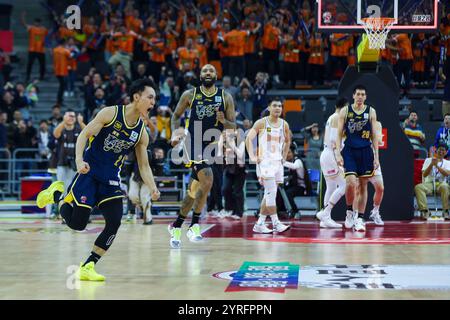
x: 270, y: 169
x: 328, y: 163
x: 197, y: 167
x: 358, y: 161
x: 86, y: 191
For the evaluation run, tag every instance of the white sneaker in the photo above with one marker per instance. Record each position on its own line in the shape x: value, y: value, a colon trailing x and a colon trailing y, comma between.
x: 375, y: 216
x: 261, y: 228
x: 175, y: 237
x: 330, y: 223
x: 359, y: 225
x: 350, y: 219
x: 129, y: 217
x: 194, y: 233
x: 279, y: 227
x: 320, y: 215
x: 225, y: 213
x: 235, y: 217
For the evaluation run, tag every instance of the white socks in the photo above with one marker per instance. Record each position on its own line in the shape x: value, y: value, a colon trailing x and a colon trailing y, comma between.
x: 274, y: 218
x: 262, y: 219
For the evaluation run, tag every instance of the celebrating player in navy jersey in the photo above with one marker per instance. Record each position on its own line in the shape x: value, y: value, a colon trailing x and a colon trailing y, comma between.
x: 109, y: 137
x: 360, y: 160
x: 210, y: 109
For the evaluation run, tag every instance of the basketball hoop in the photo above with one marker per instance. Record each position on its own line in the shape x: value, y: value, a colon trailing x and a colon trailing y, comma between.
x: 377, y: 30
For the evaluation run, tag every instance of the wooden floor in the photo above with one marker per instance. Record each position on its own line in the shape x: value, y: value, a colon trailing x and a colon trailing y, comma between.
x: 37, y: 255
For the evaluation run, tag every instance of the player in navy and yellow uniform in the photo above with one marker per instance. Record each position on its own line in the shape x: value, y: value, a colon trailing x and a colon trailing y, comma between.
x: 105, y: 154
x: 109, y: 137
x: 210, y: 110
x: 359, y: 159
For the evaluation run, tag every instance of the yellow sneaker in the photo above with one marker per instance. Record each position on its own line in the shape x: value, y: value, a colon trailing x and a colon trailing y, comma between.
x: 45, y: 197
x: 88, y: 273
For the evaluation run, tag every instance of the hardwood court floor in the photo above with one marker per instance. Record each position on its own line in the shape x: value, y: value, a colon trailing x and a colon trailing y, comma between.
x: 36, y: 254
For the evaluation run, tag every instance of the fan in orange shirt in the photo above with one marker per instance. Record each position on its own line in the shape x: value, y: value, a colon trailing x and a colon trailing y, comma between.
x: 61, y: 56
x: 270, y: 43
x: 419, y: 56
x: 290, y: 45
x: 251, y: 54
x: 36, y: 50
x: 339, y: 47
x: 188, y: 55
x: 156, y: 50
x: 125, y: 41
x: 235, y: 41
x: 405, y: 61
x: 316, y: 60
x: 133, y: 23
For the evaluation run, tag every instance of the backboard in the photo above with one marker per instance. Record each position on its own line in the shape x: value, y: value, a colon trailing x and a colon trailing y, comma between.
x: 346, y: 15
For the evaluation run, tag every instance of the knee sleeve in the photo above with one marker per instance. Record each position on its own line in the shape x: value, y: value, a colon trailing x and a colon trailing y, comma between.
x: 76, y: 217
x: 270, y: 192
x: 112, y: 212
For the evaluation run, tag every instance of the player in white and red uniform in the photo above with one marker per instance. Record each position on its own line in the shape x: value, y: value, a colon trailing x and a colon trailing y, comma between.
x: 378, y: 184
x: 334, y: 175
x: 273, y: 146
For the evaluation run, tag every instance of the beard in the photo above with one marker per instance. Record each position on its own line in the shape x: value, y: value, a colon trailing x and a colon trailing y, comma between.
x: 208, y: 83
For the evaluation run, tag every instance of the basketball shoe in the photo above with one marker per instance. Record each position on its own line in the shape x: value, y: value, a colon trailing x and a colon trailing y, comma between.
x: 175, y: 237
x: 194, y: 233
x: 359, y: 225
x: 350, y: 219
x: 375, y: 216
x: 45, y: 197
x: 279, y: 227
x: 88, y: 273
x: 261, y: 228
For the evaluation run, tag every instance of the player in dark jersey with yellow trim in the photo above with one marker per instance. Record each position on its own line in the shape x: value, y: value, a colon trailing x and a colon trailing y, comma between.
x: 112, y: 134
x: 212, y: 108
x: 359, y: 159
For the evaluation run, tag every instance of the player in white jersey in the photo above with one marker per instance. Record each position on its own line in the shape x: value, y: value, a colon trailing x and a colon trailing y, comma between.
x: 273, y: 146
x: 377, y: 181
x: 334, y: 175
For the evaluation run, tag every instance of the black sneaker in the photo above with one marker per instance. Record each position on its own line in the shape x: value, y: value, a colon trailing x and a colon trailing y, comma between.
x: 147, y: 223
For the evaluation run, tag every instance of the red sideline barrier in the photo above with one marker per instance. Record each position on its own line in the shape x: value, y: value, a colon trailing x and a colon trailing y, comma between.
x: 6, y: 41
x: 418, y: 163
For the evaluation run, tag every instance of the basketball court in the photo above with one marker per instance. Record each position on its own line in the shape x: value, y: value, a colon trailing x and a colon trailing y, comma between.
x: 407, y: 258
x: 402, y: 260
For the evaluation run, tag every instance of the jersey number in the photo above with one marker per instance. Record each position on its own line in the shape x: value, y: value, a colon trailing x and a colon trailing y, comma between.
x: 365, y: 134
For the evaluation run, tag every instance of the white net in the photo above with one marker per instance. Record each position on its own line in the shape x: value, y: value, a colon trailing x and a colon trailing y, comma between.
x: 377, y: 30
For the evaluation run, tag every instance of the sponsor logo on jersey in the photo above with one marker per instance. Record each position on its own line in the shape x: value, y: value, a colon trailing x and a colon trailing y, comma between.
x: 117, y: 125
x: 115, y: 144
x: 206, y: 111
x: 366, y: 116
x: 269, y: 129
x: 218, y: 99
x: 134, y: 136
x: 198, y: 96
x: 350, y: 115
